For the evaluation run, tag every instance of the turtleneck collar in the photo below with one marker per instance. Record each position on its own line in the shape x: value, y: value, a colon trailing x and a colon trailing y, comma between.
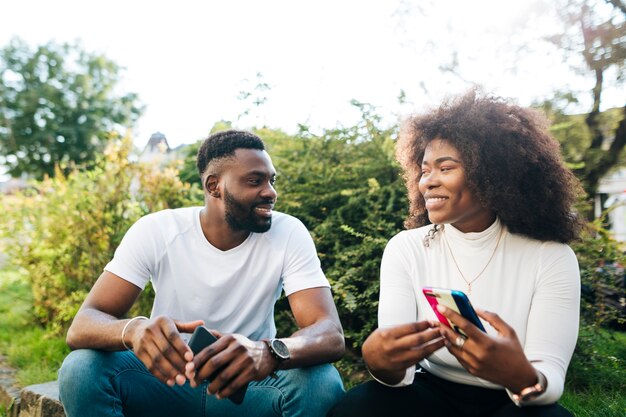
x: 474, y: 239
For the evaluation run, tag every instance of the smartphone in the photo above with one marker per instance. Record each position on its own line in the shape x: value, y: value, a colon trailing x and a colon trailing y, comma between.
x: 202, y: 338
x: 454, y: 300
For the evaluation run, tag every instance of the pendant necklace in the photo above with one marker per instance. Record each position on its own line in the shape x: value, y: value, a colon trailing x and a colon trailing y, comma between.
x: 470, y: 282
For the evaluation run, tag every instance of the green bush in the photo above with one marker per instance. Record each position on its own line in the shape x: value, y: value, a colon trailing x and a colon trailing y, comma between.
x: 64, y: 230
x: 601, y: 262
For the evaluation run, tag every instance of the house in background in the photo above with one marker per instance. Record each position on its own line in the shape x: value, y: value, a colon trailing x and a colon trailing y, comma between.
x: 13, y: 185
x: 159, y: 151
x: 612, y: 195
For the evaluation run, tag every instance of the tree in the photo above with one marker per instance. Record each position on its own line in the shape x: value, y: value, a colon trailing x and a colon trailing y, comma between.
x: 597, y: 29
x: 58, y: 104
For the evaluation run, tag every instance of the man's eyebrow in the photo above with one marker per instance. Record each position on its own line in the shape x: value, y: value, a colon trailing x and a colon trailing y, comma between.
x: 442, y: 159
x: 261, y: 173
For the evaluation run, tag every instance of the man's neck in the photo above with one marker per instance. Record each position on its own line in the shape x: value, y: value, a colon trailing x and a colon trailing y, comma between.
x: 219, y: 233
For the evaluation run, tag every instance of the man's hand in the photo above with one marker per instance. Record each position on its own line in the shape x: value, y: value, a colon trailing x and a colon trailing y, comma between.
x: 158, y: 344
x: 231, y: 362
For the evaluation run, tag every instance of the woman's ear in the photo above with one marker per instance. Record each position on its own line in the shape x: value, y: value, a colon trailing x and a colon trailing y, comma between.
x: 211, y: 185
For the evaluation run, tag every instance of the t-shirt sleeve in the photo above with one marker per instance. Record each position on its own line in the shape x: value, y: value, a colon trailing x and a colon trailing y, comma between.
x: 397, y: 303
x: 302, y: 268
x: 135, y: 258
x: 553, y: 320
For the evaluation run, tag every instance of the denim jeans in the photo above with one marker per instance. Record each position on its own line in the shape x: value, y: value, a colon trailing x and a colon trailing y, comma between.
x: 113, y: 384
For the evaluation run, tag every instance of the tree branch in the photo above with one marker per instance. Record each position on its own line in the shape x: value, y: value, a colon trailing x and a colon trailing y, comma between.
x: 618, y: 4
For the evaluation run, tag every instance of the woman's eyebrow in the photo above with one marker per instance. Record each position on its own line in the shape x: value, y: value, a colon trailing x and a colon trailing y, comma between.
x: 442, y: 159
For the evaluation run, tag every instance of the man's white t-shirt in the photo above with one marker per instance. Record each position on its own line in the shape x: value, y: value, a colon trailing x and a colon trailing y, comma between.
x: 233, y: 291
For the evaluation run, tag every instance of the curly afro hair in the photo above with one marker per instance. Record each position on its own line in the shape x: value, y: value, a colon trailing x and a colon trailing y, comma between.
x: 223, y: 145
x: 511, y: 163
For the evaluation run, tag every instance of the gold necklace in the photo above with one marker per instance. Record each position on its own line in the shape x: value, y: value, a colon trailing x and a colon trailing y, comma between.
x: 469, y: 283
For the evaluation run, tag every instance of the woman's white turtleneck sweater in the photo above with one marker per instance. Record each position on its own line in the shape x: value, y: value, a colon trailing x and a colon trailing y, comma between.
x: 533, y: 286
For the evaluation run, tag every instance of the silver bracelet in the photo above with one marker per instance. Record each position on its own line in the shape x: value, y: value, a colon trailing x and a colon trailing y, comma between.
x: 126, y: 327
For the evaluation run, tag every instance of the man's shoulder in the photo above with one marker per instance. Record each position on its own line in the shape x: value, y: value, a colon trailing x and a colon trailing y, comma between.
x: 284, y: 220
x: 170, y: 220
x: 284, y: 225
x: 178, y: 214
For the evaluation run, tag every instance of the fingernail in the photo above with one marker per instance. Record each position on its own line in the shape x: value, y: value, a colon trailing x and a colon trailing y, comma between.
x: 441, y: 308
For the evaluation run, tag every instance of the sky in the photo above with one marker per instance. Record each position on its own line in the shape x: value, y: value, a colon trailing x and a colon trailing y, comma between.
x: 189, y: 60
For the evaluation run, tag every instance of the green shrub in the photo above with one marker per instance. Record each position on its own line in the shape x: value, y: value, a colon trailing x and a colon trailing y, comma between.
x: 601, y: 262
x: 64, y: 230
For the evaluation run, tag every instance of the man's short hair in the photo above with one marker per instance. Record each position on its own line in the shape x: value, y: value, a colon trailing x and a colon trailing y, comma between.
x: 223, y: 145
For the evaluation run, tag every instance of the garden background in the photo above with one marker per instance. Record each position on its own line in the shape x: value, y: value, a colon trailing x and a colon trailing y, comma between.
x: 62, y: 127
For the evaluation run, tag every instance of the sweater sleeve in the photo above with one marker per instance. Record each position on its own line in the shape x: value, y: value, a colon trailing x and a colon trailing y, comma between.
x: 397, y: 296
x: 553, y: 320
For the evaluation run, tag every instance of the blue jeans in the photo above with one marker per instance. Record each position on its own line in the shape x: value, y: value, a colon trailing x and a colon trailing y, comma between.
x: 113, y: 384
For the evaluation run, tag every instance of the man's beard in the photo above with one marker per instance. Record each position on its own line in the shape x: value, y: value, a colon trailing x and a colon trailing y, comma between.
x: 242, y: 217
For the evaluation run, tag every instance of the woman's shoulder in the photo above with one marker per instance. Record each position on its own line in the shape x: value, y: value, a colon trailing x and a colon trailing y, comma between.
x: 412, y: 238
x: 527, y: 241
x: 545, y: 249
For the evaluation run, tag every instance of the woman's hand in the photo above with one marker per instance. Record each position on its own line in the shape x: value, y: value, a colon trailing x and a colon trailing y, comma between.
x: 388, y: 352
x: 499, y: 359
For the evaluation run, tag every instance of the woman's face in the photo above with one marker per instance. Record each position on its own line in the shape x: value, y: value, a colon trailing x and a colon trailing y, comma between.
x: 446, y: 195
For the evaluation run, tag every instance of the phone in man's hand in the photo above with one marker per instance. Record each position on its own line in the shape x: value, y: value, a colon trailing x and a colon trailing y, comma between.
x: 202, y: 338
x: 454, y: 300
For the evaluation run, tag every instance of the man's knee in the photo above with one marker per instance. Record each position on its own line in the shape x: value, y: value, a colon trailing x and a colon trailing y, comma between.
x: 324, y: 378
x: 84, y: 370
x: 77, y: 365
x: 315, y: 388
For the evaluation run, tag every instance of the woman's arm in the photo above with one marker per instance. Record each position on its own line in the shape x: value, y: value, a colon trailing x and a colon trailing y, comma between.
x: 400, y: 342
x: 551, y: 333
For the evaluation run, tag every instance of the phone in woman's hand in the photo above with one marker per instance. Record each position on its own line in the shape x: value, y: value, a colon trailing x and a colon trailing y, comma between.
x: 454, y: 300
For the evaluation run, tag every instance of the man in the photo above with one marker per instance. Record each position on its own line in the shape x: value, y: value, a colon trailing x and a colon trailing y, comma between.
x: 222, y: 265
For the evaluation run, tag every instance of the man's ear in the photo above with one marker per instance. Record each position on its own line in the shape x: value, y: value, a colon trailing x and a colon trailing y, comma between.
x: 211, y: 185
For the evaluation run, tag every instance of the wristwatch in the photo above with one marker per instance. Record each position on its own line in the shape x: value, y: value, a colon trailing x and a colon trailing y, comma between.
x: 529, y: 393
x: 278, y: 349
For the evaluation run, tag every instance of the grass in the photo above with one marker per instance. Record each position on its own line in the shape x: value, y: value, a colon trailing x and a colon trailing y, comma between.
x: 29, y: 348
x: 596, y: 380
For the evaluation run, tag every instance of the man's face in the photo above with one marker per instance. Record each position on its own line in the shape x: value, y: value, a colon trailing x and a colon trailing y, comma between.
x: 248, y: 190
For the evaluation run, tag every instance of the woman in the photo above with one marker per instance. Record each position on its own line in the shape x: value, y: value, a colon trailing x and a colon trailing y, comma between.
x: 491, y: 210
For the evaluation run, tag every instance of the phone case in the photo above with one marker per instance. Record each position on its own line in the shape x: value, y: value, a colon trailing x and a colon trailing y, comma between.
x: 202, y: 338
x: 455, y: 300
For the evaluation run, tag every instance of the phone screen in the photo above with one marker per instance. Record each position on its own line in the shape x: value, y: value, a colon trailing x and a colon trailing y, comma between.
x: 454, y: 300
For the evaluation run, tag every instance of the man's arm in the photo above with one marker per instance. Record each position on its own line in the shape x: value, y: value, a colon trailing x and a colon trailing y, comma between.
x: 320, y: 335
x: 97, y: 324
x: 157, y: 343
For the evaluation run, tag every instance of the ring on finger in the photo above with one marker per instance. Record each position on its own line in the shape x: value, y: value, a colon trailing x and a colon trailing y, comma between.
x: 459, y: 342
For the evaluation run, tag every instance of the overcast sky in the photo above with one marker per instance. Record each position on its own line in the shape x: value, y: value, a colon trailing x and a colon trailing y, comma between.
x: 189, y: 60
